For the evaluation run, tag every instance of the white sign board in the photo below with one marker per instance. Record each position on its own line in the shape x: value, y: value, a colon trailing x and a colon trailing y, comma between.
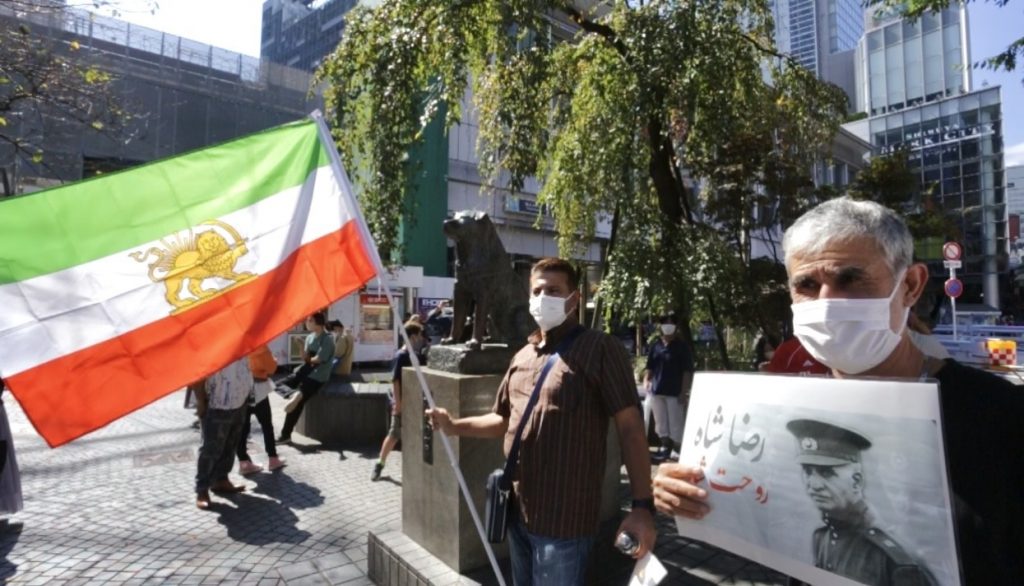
x: 952, y: 264
x: 808, y: 475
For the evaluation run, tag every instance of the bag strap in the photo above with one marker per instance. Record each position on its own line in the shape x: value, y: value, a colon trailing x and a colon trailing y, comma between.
x: 513, y: 453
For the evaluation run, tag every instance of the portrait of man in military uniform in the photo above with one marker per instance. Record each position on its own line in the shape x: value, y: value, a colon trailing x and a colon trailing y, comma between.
x: 850, y: 543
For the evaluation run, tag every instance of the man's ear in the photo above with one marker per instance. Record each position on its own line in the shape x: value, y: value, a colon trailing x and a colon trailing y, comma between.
x: 916, y: 280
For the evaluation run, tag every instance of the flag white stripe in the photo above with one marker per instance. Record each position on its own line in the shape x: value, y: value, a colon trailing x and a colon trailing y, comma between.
x: 49, y: 316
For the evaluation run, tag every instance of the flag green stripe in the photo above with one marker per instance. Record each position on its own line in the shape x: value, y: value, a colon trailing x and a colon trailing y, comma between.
x: 52, y: 230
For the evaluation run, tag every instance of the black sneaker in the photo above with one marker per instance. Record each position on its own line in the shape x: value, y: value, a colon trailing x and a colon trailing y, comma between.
x: 377, y: 469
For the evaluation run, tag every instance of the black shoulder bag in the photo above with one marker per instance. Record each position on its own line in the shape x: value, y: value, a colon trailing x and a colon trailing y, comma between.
x: 499, y: 482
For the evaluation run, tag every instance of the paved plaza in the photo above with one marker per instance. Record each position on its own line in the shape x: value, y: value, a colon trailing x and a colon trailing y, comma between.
x: 117, y: 507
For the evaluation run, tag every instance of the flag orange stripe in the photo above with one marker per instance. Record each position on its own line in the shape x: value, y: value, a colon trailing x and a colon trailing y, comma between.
x: 83, y: 391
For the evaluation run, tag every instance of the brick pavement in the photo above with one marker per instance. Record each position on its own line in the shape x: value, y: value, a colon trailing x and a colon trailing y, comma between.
x: 117, y: 507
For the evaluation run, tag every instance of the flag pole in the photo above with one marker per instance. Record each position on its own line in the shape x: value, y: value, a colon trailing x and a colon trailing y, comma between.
x: 327, y: 142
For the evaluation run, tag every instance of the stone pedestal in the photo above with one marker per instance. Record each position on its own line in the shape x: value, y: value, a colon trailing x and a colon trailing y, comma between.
x: 491, y: 359
x: 434, y: 514
x: 347, y: 414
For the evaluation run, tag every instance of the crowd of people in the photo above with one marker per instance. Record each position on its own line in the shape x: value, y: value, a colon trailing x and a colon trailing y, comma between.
x: 227, y: 400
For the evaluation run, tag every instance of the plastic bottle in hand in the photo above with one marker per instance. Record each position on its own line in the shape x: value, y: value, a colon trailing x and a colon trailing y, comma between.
x: 627, y: 543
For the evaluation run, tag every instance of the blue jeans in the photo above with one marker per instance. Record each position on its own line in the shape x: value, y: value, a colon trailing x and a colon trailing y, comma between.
x: 546, y: 561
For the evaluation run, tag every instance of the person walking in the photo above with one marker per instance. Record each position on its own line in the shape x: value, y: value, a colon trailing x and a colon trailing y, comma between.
x: 262, y: 365
x: 668, y: 377
x: 225, y: 392
x: 401, y: 360
x: 319, y: 352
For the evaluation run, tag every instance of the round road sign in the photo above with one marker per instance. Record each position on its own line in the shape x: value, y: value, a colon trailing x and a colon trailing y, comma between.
x: 951, y: 251
x: 954, y: 288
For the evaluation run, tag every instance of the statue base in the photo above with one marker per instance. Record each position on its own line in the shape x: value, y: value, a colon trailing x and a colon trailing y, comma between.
x: 434, y: 514
x: 458, y: 359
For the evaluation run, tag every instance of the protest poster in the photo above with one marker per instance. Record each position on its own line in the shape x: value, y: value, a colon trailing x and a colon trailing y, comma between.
x: 828, y: 481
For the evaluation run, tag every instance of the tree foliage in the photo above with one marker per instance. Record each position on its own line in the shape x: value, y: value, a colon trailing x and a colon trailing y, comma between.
x: 913, y: 9
x: 889, y: 181
x: 612, y: 120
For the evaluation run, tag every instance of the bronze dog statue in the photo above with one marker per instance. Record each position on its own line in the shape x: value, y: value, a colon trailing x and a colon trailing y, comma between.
x: 486, y: 281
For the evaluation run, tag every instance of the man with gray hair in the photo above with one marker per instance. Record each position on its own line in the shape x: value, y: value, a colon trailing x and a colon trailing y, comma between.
x: 853, y: 281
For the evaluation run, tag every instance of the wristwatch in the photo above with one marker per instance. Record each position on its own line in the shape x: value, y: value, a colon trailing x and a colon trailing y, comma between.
x: 647, y: 503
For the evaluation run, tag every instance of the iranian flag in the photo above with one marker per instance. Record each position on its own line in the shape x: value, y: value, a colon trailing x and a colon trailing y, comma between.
x: 121, y: 289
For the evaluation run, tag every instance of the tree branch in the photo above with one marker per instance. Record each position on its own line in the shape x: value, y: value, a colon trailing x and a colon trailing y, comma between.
x: 769, y: 51
x: 596, y: 28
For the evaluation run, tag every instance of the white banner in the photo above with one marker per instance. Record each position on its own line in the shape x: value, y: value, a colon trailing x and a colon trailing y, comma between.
x: 829, y: 481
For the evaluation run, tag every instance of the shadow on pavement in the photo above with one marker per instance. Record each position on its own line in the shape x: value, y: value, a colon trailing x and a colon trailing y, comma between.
x: 386, y: 478
x: 346, y: 451
x: 306, y: 448
x: 259, y: 521
x: 9, y: 534
x: 280, y: 486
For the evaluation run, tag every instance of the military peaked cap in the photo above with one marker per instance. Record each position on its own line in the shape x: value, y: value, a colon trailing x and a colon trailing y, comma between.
x: 824, y: 444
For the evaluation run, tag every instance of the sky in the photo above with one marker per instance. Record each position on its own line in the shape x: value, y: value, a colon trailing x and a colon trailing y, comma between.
x: 235, y: 25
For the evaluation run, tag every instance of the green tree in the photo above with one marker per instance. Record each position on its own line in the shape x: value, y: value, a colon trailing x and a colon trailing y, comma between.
x: 913, y: 9
x: 611, y: 119
x: 889, y: 181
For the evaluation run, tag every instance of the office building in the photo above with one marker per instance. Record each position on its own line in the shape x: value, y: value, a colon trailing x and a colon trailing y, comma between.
x: 299, y: 33
x: 914, y: 82
x: 821, y: 35
x: 181, y: 94
x: 904, y: 64
x: 1014, y: 213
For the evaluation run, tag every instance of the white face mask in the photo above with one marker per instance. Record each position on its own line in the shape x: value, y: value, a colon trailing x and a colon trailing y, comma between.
x: 548, y: 311
x: 668, y: 329
x: 849, y: 335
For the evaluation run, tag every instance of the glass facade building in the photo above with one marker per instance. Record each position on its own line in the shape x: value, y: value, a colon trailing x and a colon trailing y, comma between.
x: 956, y: 148
x: 845, y: 25
x: 914, y: 82
x: 299, y: 33
x: 803, y: 33
x: 910, y: 63
x: 811, y: 30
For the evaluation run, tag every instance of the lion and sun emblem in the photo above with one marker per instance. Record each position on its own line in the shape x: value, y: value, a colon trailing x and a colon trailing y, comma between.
x: 193, y: 257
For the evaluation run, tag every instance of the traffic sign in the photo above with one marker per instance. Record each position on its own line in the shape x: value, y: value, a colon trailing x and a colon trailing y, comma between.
x: 954, y: 288
x: 951, y: 251
x: 952, y: 264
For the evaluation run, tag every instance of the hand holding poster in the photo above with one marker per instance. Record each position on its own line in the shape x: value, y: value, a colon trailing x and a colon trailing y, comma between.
x: 829, y: 481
